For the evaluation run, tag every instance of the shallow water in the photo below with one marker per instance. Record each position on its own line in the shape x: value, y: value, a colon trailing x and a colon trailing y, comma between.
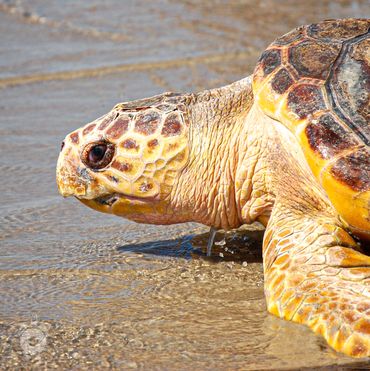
x: 96, y: 291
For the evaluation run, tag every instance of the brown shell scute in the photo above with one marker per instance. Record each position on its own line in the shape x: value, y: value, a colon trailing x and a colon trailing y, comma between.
x: 327, y: 137
x: 305, y: 99
x: 340, y: 29
x: 350, y: 86
x: 270, y: 60
x: 324, y: 66
x: 289, y: 37
x: 354, y: 170
x: 282, y: 81
x: 313, y: 59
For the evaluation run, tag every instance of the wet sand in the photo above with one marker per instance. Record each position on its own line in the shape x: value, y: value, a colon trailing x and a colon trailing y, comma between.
x: 84, y: 290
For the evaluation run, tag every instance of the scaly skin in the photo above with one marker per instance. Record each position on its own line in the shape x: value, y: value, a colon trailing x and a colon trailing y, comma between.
x: 224, y: 159
x: 243, y: 166
x: 315, y: 273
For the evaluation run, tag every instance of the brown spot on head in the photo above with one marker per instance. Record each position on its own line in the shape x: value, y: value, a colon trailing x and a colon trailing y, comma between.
x: 270, y: 60
x: 354, y: 170
x: 122, y: 166
x: 107, y: 120
x: 129, y: 144
x: 145, y: 187
x: 305, y: 99
x: 147, y: 123
x: 313, y: 58
x: 328, y: 137
x: 74, y: 137
x: 88, y: 129
x: 153, y: 143
x: 172, y: 125
x: 282, y: 81
x: 339, y: 29
x: 119, y: 127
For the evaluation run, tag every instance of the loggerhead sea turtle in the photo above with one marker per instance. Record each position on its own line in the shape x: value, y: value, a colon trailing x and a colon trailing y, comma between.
x: 288, y: 147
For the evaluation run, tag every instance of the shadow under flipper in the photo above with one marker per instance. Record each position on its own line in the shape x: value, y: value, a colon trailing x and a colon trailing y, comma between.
x: 365, y: 246
x: 242, y: 245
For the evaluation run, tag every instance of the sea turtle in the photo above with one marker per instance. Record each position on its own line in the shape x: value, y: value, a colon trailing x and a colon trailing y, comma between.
x: 288, y: 147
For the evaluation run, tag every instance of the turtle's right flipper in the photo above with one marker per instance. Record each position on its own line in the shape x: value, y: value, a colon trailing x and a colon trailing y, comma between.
x: 316, y: 275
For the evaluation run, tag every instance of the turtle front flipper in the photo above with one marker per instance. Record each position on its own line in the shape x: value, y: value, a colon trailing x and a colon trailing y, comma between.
x: 316, y: 275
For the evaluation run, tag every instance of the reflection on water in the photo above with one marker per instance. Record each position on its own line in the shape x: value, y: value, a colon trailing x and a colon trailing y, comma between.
x: 86, y: 290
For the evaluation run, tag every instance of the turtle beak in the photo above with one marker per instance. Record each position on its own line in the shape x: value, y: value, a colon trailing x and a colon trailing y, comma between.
x: 68, y: 181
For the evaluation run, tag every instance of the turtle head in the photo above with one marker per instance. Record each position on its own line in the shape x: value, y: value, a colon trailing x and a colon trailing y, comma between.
x: 128, y: 161
x: 167, y: 159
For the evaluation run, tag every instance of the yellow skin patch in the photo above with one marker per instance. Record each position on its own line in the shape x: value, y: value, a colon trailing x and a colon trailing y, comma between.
x: 150, y: 149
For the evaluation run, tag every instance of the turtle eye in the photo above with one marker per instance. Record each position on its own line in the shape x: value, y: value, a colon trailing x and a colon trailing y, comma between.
x: 97, y: 155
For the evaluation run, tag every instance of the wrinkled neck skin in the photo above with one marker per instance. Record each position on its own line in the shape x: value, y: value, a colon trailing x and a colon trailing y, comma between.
x: 241, y: 164
x: 205, y: 191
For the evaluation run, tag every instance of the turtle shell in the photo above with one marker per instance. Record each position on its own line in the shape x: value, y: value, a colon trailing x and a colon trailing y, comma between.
x: 316, y: 81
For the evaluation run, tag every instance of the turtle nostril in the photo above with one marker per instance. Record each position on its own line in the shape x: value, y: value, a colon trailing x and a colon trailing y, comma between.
x: 62, y: 146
